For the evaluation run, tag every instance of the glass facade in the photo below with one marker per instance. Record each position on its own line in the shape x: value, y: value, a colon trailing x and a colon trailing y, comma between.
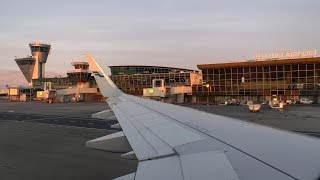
x: 134, y: 84
x: 79, y: 76
x: 284, y: 78
x: 81, y: 66
x: 61, y: 82
x: 40, y: 49
x: 133, y: 79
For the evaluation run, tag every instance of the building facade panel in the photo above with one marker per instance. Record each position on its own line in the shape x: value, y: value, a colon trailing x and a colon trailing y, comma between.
x: 131, y: 70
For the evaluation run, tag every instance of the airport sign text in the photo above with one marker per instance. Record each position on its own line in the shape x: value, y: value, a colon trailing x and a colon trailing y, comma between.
x: 286, y: 55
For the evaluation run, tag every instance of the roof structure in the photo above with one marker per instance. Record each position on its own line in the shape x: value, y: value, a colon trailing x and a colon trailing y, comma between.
x: 260, y: 63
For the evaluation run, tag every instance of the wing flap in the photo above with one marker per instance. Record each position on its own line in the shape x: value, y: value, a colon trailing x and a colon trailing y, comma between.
x: 160, y: 169
x: 126, y: 177
x: 160, y: 146
x: 140, y: 146
x: 214, y: 166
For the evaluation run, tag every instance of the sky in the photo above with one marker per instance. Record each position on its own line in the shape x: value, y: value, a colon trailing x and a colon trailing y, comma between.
x: 180, y: 33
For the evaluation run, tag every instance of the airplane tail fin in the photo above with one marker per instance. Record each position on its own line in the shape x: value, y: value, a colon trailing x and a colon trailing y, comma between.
x: 106, y: 85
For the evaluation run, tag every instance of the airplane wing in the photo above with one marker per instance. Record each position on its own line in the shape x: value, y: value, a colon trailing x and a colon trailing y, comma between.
x: 179, y: 143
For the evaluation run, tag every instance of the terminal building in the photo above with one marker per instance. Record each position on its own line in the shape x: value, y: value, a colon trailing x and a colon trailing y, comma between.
x: 174, y: 82
x: 258, y: 80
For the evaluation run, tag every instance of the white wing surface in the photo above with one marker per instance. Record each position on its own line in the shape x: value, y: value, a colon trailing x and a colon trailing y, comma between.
x: 179, y: 143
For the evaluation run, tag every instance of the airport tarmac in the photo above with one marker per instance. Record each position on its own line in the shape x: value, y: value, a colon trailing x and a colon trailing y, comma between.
x: 300, y: 118
x: 47, y: 141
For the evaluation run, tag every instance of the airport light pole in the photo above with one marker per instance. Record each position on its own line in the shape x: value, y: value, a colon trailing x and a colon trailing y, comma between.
x: 78, y: 94
x: 208, y: 88
x: 243, y: 80
x: 30, y: 88
x: 30, y: 95
x: 8, y: 91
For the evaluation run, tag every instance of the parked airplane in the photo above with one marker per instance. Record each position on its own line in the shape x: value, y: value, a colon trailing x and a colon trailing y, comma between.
x: 178, y: 143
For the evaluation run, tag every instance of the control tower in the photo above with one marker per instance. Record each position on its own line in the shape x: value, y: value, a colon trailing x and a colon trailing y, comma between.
x: 33, y: 67
x: 40, y: 52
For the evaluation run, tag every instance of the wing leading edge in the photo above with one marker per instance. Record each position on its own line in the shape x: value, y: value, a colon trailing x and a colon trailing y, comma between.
x: 173, y: 142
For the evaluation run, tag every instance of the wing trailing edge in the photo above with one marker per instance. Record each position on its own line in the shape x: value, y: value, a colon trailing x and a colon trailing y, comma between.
x: 106, y: 115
